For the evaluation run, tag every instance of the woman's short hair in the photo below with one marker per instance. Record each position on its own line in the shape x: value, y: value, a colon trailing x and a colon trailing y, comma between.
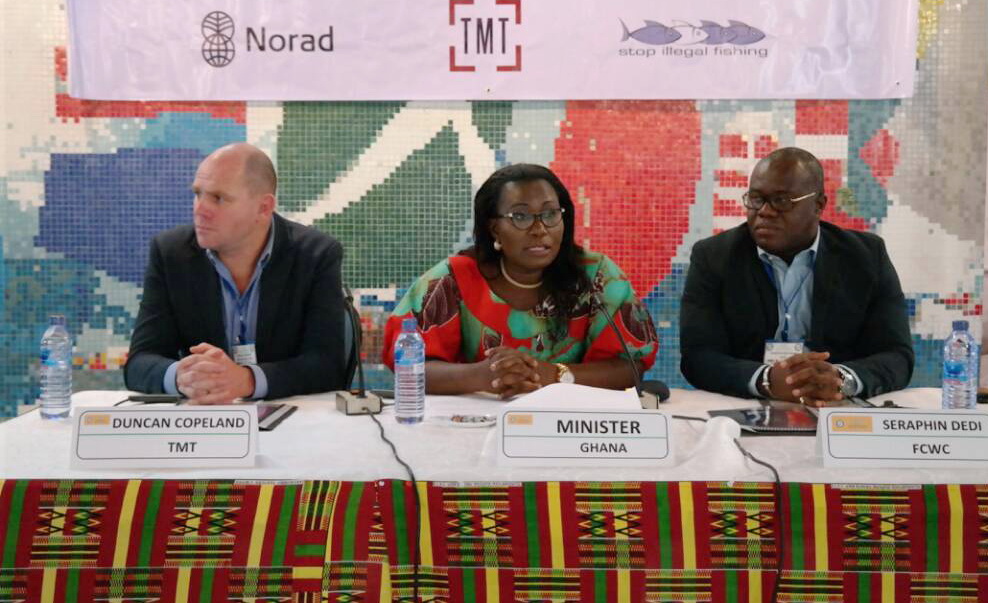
x: 565, y: 278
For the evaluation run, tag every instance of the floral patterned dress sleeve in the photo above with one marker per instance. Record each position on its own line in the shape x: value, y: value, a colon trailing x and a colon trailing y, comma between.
x: 434, y: 301
x: 629, y: 314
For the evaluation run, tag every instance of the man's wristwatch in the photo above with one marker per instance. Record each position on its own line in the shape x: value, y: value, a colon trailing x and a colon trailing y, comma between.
x: 766, y: 381
x: 563, y: 374
x: 848, y: 384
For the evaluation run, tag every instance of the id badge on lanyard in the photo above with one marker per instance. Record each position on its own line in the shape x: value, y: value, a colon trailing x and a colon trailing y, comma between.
x: 776, y: 351
x: 245, y: 354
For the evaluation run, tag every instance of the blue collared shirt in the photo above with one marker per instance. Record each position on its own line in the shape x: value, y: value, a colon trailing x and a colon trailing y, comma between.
x: 794, y: 290
x: 794, y: 293
x: 239, y: 315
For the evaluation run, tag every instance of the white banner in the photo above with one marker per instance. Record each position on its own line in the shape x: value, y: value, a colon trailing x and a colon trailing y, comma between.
x: 490, y: 49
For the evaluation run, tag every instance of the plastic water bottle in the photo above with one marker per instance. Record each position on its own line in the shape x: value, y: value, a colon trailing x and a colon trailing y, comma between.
x: 961, y: 363
x: 409, y: 374
x: 56, y: 369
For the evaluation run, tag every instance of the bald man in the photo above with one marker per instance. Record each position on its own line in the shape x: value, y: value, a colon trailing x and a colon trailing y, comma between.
x: 789, y: 307
x: 243, y: 303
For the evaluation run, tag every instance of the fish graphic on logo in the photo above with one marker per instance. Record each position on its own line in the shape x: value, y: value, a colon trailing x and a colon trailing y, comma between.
x: 654, y: 33
x: 716, y: 33
x: 736, y: 32
x: 691, y: 34
x: 709, y: 32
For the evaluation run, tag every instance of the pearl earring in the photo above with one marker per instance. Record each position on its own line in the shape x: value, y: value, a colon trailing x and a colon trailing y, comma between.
x: 497, y: 245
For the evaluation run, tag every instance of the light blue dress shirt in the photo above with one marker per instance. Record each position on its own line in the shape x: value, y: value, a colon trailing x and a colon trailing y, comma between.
x: 794, y: 298
x: 794, y: 290
x: 239, y: 315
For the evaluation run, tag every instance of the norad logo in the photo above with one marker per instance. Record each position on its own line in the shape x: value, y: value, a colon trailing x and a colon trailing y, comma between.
x: 263, y: 40
x: 218, y: 48
x: 217, y: 44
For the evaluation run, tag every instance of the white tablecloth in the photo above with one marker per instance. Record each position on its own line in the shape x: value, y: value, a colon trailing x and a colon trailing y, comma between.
x: 318, y: 442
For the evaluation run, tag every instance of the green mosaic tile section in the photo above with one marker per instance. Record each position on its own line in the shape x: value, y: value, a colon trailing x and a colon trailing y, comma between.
x: 321, y: 141
x: 409, y: 222
x: 492, y: 120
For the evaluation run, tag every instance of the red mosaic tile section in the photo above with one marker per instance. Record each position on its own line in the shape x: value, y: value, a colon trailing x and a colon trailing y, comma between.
x: 61, y: 63
x: 881, y: 154
x: 632, y: 168
x: 963, y: 302
x: 731, y: 178
x: 833, y: 175
x: 728, y: 207
x: 764, y: 145
x: 733, y: 145
x: 68, y: 107
x: 817, y: 117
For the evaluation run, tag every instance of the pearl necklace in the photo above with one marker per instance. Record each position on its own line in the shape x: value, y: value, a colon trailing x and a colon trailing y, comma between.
x: 508, y: 278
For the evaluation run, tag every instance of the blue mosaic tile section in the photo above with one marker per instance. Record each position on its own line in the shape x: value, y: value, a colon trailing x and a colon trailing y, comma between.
x: 103, y: 209
x: 34, y: 290
x: 663, y: 304
x: 199, y: 131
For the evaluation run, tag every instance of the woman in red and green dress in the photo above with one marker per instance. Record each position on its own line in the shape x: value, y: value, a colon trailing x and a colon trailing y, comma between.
x: 525, y: 306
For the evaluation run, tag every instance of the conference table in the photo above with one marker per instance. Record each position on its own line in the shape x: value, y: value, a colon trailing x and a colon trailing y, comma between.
x: 328, y: 514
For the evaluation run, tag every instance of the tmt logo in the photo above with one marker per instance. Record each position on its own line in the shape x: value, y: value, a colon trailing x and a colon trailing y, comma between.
x: 217, y: 44
x: 483, y: 35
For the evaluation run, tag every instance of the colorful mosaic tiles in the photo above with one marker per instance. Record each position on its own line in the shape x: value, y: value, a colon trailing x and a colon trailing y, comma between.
x: 84, y: 184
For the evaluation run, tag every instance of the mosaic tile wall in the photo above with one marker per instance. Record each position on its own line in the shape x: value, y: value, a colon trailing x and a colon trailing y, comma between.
x: 84, y: 185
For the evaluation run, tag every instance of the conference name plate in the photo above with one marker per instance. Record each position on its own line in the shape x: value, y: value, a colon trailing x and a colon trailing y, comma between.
x: 182, y: 436
x: 583, y: 438
x: 864, y: 437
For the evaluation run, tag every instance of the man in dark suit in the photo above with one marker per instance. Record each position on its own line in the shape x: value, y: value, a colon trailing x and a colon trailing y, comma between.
x: 789, y: 307
x: 243, y: 303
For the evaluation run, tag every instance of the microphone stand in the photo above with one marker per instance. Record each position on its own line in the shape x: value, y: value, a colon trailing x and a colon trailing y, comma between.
x: 649, y: 400
x: 356, y: 401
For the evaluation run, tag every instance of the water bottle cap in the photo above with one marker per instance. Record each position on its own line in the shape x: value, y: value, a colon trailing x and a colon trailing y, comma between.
x: 960, y: 325
x: 409, y: 325
x: 56, y: 319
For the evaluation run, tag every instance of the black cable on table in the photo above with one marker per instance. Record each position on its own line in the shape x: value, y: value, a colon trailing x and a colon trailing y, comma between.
x: 780, y: 538
x: 688, y: 418
x: 415, y: 490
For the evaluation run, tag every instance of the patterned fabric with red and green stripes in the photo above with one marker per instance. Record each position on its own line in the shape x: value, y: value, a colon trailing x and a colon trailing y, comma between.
x: 186, y: 540
x: 163, y: 540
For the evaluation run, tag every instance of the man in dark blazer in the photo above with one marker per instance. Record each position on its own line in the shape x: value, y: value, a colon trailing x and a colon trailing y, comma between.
x: 243, y: 303
x: 785, y: 277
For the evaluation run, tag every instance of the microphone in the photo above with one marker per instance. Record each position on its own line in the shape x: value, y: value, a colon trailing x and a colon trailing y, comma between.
x: 651, y: 391
x: 356, y: 401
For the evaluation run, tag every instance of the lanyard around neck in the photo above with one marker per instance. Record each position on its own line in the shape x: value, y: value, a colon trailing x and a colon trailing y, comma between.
x: 770, y: 270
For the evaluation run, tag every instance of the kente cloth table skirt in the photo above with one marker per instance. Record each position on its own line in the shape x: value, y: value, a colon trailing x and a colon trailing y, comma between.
x: 174, y: 540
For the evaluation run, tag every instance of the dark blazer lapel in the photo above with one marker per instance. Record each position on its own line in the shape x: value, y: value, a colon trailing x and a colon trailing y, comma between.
x: 205, y: 297
x: 826, y: 281
x: 757, y: 278
x: 274, y: 283
x: 767, y: 297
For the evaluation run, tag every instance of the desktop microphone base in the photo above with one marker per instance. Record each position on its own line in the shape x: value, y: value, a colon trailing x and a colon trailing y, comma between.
x: 352, y: 403
x: 649, y: 401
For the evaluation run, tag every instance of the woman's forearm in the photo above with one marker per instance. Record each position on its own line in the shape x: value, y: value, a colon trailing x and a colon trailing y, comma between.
x: 450, y: 378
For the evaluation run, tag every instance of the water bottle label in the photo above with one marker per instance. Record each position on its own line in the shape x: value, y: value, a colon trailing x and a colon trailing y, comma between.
x: 954, y: 369
x: 408, y: 358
